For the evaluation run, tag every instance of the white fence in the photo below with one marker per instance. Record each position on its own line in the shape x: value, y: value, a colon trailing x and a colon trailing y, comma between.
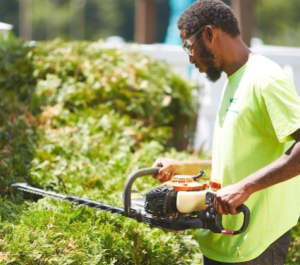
x: 287, y: 57
x: 5, y: 29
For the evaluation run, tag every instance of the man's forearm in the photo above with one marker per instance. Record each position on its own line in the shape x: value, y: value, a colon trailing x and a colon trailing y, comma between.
x: 285, y: 167
x: 194, y: 167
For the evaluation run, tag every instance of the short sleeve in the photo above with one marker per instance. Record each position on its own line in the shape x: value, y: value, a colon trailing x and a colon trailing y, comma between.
x: 283, y: 106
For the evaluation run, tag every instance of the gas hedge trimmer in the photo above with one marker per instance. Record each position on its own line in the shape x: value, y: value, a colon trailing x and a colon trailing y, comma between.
x: 180, y: 204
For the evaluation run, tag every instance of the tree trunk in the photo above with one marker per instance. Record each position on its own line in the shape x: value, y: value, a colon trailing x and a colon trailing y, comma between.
x: 144, y: 21
x: 25, y: 19
x: 77, y: 19
x: 244, y: 11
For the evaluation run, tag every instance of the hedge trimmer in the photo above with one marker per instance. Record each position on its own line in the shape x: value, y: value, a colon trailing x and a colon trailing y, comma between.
x: 176, y: 205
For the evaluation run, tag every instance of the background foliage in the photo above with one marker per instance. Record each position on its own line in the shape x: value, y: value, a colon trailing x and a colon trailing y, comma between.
x: 99, y: 19
x: 276, y: 22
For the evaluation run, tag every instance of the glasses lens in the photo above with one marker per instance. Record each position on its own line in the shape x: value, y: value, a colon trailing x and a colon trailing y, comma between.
x: 186, y: 47
x: 186, y: 50
x: 189, y: 42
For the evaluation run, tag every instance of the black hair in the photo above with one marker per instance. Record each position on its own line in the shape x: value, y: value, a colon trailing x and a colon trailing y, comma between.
x: 208, y: 12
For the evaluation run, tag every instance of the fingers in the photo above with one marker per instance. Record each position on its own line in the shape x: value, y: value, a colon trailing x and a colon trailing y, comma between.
x: 224, y: 209
x: 167, y: 169
x: 164, y: 176
x: 158, y: 163
x: 223, y: 206
x: 219, y: 207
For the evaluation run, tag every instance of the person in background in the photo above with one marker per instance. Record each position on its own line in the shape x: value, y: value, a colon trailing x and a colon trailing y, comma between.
x: 256, y: 140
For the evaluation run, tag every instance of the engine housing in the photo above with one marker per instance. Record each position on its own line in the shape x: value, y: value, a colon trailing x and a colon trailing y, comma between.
x: 161, y: 202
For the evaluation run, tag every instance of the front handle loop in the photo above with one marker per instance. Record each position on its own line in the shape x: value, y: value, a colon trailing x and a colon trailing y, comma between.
x: 246, y: 213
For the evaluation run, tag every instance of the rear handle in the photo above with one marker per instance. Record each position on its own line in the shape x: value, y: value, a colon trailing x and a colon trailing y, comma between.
x: 213, y: 220
x: 246, y: 212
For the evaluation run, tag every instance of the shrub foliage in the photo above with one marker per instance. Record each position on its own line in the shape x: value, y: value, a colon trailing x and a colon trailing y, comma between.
x: 78, y: 119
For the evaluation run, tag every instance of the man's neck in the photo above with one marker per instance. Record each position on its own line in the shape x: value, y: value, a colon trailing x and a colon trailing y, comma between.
x: 235, y: 54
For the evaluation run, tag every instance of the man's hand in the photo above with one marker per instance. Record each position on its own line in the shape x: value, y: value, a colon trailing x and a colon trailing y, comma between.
x: 169, y: 168
x: 229, y: 198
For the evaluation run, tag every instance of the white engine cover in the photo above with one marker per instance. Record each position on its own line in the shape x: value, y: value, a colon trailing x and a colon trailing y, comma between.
x: 190, y: 201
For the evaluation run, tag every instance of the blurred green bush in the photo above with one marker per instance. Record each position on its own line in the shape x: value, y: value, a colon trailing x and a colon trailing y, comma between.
x: 77, y: 119
x: 82, y: 75
x: 17, y: 124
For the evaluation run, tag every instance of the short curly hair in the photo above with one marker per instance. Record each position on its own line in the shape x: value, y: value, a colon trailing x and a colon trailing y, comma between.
x: 209, y: 12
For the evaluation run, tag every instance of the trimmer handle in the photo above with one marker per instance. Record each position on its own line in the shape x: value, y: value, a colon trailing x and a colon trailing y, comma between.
x: 213, y: 221
x: 128, y: 185
x: 246, y: 212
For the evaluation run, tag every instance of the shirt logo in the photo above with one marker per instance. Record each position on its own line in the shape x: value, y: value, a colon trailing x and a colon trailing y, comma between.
x: 232, y: 101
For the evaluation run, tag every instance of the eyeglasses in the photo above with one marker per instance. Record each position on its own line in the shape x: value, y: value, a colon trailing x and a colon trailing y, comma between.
x: 187, y: 45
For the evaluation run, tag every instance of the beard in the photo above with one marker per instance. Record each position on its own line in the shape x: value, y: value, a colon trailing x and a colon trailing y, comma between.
x: 213, y: 72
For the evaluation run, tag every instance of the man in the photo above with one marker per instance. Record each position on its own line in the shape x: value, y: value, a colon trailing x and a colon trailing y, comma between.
x: 256, y: 140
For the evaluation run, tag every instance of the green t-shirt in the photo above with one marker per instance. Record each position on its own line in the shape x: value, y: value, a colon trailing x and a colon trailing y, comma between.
x: 259, y: 111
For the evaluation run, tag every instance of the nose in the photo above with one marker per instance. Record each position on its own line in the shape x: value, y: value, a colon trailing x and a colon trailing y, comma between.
x: 192, y: 60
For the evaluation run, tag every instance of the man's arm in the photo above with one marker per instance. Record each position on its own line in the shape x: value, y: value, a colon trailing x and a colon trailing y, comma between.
x: 285, y: 167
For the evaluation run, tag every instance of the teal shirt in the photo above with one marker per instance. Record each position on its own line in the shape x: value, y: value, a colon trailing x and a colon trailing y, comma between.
x: 259, y: 111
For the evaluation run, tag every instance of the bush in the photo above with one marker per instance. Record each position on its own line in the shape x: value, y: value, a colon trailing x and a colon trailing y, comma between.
x: 98, y: 116
x: 82, y: 76
x: 17, y: 124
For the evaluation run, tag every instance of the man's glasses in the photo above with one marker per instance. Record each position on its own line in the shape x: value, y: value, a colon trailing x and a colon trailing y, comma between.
x: 187, y: 45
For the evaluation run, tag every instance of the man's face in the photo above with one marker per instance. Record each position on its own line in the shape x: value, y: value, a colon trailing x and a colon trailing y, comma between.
x: 203, y: 57
x: 209, y: 61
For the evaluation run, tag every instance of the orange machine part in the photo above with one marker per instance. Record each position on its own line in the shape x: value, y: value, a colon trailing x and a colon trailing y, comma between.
x: 214, y: 186
x: 184, y: 183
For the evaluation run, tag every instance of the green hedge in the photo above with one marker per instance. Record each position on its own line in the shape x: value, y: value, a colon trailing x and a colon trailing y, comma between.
x: 17, y: 124
x: 87, y: 118
x: 81, y: 76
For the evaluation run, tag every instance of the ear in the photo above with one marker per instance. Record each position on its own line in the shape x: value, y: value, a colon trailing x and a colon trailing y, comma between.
x: 209, y: 31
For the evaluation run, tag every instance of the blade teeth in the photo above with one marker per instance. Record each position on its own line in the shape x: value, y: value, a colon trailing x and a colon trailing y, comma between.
x: 38, y: 193
x: 76, y: 200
